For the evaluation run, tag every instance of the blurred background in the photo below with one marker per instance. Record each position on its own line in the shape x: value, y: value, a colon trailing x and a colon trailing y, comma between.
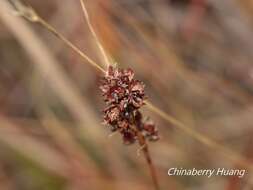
x: 195, y: 57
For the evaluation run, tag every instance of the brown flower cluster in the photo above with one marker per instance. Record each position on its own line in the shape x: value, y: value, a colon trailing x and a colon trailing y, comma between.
x: 124, y: 96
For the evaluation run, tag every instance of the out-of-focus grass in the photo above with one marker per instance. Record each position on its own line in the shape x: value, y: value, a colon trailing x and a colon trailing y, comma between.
x: 195, y: 58
x: 28, y: 174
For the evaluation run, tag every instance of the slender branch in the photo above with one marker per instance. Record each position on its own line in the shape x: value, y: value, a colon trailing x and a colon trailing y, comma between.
x: 100, y: 47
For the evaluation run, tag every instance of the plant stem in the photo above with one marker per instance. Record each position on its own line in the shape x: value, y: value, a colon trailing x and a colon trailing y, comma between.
x: 144, y: 146
x: 151, y: 166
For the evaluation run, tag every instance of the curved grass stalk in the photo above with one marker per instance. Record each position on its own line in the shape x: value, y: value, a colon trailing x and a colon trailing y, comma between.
x: 100, y: 46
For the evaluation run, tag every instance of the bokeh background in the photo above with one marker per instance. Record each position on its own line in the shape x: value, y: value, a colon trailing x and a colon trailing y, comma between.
x: 195, y: 57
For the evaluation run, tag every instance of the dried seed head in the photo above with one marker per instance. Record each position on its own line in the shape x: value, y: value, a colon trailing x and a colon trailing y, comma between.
x: 124, y: 96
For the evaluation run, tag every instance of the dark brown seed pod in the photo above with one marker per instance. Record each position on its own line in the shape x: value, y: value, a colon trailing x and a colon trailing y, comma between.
x: 124, y: 96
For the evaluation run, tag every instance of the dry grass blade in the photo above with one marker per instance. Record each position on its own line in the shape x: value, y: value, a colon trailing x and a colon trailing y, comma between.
x: 101, y: 48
